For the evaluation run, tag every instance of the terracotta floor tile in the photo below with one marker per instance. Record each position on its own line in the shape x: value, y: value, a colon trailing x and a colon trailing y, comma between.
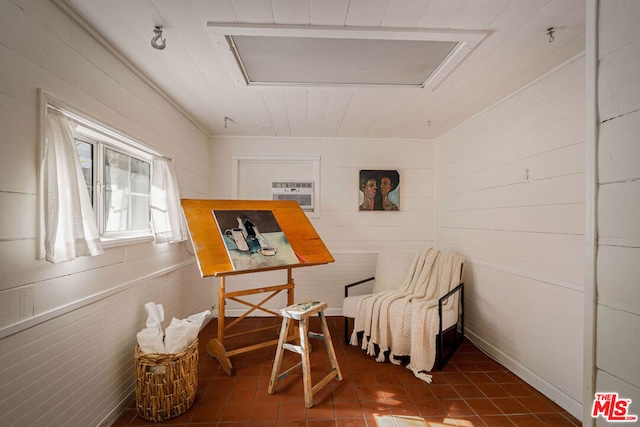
x: 557, y: 420
x: 518, y: 389
x: 404, y: 408
x: 444, y: 391
x: 510, y: 406
x: 370, y: 392
x: 526, y: 420
x: 483, y: 407
x: 235, y: 413
x: 292, y: 412
x: 206, y: 413
x: 431, y: 408
x: 472, y: 391
x: 351, y: 422
x: 493, y: 390
x: 457, y: 407
x: 321, y: 423
x: 536, y: 404
x: 497, y: 421
x: 271, y: 423
x: 347, y: 409
x: 262, y: 412
x: 342, y: 393
x: 468, y: 391
x: 478, y: 377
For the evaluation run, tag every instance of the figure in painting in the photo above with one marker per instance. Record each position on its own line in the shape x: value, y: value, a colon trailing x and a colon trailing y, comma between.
x: 386, y: 186
x: 370, y: 189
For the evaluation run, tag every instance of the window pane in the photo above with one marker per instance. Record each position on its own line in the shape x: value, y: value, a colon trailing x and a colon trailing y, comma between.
x: 85, y: 153
x: 140, y: 176
x: 127, y: 183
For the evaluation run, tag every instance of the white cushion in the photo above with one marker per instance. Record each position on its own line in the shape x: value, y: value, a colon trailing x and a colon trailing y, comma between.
x: 392, y: 268
x: 349, y: 306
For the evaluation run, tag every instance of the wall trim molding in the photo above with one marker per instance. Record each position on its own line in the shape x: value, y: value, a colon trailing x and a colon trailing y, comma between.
x: 62, y: 310
x: 558, y: 396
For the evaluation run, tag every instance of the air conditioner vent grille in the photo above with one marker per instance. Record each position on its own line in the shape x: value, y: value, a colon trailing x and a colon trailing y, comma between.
x: 300, y: 191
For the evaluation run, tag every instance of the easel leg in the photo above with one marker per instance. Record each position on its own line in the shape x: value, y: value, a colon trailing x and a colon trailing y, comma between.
x: 216, y: 349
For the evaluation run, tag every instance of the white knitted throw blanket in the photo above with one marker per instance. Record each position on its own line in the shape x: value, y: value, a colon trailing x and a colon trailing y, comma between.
x: 405, y: 321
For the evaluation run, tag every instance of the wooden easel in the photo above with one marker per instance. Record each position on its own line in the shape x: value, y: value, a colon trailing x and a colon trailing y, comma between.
x: 213, y: 261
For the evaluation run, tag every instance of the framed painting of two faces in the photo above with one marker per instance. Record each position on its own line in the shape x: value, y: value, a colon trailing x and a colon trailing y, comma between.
x: 379, y: 190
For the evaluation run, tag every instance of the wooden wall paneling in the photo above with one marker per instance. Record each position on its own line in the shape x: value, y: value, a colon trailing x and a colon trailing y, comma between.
x: 606, y: 381
x: 619, y: 21
x: 401, y: 14
x: 297, y: 110
x: 56, y: 354
x: 329, y: 12
x: 619, y: 151
x: 510, y: 200
x: 564, y: 189
x: 290, y: 12
x: 618, y: 207
x: 618, y: 240
x: 336, y: 108
x: 564, y: 218
x: 617, y: 73
x: 537, y: 254
x: 16, y: 304
x: 253, y: 11
x: 20, y: 265
x: 19, y: 216
x: 545, y: 315
x: 274, y: 100
x: 61, y: 291
x: 615, y: 346
x: 370, y: 13
x: 618, y: 270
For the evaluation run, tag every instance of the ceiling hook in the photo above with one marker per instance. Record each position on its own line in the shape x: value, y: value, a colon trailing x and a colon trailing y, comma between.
x: 157, y: 42
x: 550, y: 32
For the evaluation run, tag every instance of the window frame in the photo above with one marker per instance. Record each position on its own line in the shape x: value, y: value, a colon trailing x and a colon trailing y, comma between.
x: 99, y: 146
x: 101, y: 136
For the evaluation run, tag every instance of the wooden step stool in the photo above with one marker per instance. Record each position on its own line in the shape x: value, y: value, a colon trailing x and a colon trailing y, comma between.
x: 301, y: 313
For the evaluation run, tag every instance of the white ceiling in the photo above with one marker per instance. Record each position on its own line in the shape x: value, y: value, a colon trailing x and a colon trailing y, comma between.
x: 191, y: 71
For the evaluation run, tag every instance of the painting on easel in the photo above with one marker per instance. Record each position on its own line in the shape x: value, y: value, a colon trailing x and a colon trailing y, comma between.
x: 253, y: 239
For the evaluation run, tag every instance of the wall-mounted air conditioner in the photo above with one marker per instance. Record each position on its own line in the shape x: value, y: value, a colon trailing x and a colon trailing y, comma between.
x: 300, y: 191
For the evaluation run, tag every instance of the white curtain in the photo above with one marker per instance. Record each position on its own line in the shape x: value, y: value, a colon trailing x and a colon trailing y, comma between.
x: 167, y: 219
x: 70, y: 229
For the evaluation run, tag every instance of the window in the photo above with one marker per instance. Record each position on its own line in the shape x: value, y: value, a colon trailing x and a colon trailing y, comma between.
x: 132, y: 190
x: 118, y: 178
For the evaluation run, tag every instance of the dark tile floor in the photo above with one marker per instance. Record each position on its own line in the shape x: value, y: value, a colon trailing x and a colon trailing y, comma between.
x: 472, y: 390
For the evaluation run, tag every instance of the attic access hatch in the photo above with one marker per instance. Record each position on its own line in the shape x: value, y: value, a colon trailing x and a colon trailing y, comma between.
x: 285, y: 55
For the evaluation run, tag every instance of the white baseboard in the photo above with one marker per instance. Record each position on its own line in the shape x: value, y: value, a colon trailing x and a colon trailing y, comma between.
x: 118, y: 410
x: 565, y: 401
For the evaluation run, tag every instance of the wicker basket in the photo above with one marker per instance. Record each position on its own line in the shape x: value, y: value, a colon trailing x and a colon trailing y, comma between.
x: 166, y: 384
